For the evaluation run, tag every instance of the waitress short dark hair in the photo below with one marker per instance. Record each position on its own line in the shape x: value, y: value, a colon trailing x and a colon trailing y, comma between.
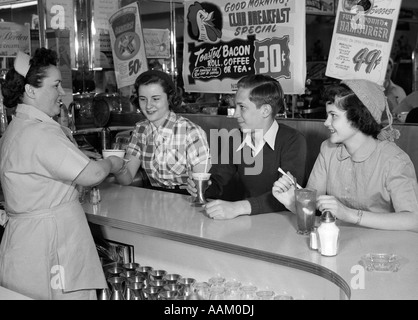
x: 164, y: 80
x: 14, y: 84
x: 357, y: 113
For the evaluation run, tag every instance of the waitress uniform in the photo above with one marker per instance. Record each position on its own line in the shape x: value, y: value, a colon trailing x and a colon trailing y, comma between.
x: 47, y: 247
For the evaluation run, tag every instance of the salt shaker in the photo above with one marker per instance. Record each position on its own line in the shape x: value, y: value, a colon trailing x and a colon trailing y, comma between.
x: 328, y: 235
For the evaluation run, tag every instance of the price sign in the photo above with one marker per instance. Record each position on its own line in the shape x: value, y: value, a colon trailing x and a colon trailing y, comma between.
x: 272, y: 56
x: 226, y: 40
x: 362, y: 39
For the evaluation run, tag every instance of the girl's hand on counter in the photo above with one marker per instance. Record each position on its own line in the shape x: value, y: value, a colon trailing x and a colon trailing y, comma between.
x: 331, y: 204
x: 223, y: 210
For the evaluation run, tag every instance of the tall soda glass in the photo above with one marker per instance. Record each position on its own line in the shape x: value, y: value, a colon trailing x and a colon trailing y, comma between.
x: 305, y: 200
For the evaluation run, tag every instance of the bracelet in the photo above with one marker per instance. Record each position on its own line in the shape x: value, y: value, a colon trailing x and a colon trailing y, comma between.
x: 359, y: 216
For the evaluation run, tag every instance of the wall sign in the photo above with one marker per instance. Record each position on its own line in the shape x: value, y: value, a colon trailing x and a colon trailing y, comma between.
x: 13, y: 38
x: 362, y: 39
x: 225, y: 40
x: 157, y: 43
x: 127, y: 43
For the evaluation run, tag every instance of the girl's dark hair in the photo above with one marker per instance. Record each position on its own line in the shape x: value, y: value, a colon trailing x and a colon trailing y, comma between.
x: 164, y: 80
x: 264, y: 90
x: 357, y: 113
x: 13, y: 87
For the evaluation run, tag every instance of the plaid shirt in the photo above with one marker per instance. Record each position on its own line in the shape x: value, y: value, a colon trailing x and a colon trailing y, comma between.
x: 169, y: 152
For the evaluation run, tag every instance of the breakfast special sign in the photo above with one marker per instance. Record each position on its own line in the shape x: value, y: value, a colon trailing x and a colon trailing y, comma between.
x: 362, y: 39
x: 226, y: 40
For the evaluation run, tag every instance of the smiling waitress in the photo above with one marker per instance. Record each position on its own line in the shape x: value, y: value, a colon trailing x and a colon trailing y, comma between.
x: 47, y: 250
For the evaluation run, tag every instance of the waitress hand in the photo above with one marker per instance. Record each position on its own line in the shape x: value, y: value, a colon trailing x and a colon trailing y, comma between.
x: 92, y: 154
x: 117, y: 164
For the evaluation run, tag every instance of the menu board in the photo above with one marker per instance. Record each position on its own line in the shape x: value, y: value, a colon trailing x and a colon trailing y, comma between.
x: 127, y: 43
x: 226, y: 40
x: 362, y: 39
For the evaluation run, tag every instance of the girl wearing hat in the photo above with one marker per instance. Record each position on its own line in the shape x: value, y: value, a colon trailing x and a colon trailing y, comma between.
x: 167, y: 146
x: 361, y: 175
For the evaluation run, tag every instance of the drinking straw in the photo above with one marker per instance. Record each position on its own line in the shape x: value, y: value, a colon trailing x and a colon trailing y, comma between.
x: 294, y: 180
x: 207, y: 162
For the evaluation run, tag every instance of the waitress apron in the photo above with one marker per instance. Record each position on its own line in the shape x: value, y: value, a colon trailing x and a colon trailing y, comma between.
x: 47, y: 250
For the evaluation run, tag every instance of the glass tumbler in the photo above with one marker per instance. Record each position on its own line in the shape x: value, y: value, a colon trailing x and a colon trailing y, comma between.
x: 305, y: 201
x: 265, y: 295
x: 217, y: 293
x: 248, y: 292
x: 283, y: 297
x: 217, y: 281
x: 202, y: 289
x: 232, y: 290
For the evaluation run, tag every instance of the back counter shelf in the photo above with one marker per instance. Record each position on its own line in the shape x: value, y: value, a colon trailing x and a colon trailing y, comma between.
x: 168, y: 233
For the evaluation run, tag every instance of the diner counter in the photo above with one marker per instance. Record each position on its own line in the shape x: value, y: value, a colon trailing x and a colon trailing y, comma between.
x: 6, y: 294
x: 270, y: 239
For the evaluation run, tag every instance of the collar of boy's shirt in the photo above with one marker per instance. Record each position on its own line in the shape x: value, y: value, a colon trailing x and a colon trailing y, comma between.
x: 255, y: 139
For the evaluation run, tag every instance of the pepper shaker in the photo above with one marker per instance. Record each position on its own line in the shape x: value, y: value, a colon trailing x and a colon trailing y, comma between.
x: 313, y: 239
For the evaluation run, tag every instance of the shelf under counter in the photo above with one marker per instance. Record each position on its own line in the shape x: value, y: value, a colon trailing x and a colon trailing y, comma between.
x: 165, y: 228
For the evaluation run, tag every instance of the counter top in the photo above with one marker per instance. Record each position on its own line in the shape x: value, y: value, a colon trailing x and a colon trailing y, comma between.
x: 172, y: 216
x: 6, y: 294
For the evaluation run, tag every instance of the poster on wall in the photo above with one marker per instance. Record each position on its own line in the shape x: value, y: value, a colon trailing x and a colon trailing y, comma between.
x: 127, y: 43
x: 362, y: 39
x: 13, y: 38
x: 102, y: 10
x: 226, y: 40
x: 157, y: 43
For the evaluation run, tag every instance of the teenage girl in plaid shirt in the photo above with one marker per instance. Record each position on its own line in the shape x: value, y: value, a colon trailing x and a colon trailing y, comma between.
x: 167, y: 146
